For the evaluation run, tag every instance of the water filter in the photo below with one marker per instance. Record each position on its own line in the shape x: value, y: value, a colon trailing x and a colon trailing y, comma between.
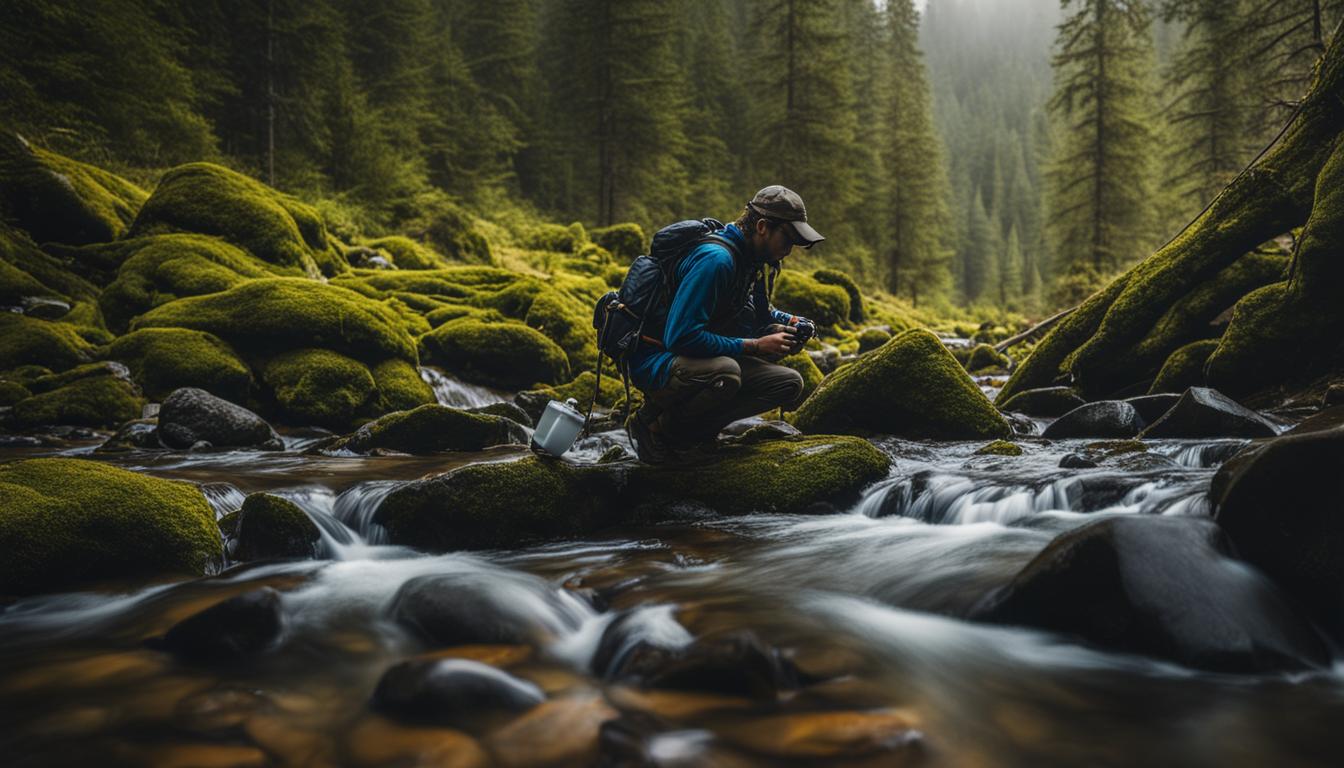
x: 558, y: 428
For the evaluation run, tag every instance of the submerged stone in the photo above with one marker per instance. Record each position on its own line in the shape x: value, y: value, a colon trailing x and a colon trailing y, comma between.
x: 229, y: 631
x: 476, y: 607
x: 451, y: 691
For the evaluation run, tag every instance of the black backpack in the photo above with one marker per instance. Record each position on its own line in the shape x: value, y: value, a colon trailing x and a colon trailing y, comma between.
x: 636, y: 313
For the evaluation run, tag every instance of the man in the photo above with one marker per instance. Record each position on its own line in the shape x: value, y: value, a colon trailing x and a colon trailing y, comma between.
x: 721, y: 333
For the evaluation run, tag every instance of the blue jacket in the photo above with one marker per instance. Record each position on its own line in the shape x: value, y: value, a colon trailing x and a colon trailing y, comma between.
x: 704, y: 278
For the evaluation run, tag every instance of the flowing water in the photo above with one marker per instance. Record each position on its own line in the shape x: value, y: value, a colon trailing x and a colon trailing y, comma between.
x: 868, y: 602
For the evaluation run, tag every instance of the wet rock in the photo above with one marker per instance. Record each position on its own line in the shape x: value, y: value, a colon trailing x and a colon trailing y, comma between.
x: 136, y: 435
x: 450, y: 691
x: 1279, y: 502
x: 1022, y: 425
x: 910, y: 387
x: 271, y: 527
x: 736, y: 664
x: 768, y: 430
x: 1045, y: 402
x: 479, y: 607
x: 1000, y: 448
x: 613, y: 454
x: 1152, y: 407
x: 1334, y: 395
x: 190, y: 415
x: 1104, y: 418
x: 228, y: 632
x: 508, y: 411
x: 1204, y: 412
x: 1160, y: 586
x: 558, y: 732
x: 431, y: 429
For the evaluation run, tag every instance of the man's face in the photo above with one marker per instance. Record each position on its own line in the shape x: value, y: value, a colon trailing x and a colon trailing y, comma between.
x: 774, y: 239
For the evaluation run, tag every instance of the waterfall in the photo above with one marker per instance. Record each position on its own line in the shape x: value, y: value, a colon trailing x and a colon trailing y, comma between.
x: 450, y: 390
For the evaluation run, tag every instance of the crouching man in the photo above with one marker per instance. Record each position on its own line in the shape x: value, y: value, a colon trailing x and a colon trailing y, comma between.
x: 721, y: 336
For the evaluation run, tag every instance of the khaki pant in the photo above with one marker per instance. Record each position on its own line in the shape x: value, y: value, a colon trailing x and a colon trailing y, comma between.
x: 705, y: 394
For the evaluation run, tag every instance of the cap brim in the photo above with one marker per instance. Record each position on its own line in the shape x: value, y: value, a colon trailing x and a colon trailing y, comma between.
x: 806, y: 234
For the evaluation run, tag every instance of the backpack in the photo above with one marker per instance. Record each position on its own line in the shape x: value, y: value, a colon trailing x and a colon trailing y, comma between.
x: 635, y: 314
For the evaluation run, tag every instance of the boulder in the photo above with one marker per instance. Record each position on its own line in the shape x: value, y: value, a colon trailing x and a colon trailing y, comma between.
x: 872, y: 338
x: 1076, y: 461
x: 581, y: 388
x: 625, y: 241
x: 1204, y: 412
x: 911, y: 387
x: 93, y: 395
x: 162, y: 360
x: 505, y: 410
x: 400, y: 386
x: 807, y: 368
x: 431, y: 429
x: 191, y: 415
x: 1160, y: 586
x: 800, y: 294
x: 1279, y: 502
x: 228, y: 632
x: 1152, y: 407
x: 407, y: 253
x: 449, y: 692
x: 482, y: 607
x: 1045, y: 402
x: 69, y: 522
x: 984, y: 356
x: 502, y: 354
x: 271, y: 527
x: 843, y: 280
x: 134, y: 435
x: 318, y: 387
x: 51, y: 344
x: 1000, y: 448
x: 1104, y: 418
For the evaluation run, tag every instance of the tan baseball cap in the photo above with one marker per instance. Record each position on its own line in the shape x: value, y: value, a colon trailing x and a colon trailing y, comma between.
x: 783, y: 204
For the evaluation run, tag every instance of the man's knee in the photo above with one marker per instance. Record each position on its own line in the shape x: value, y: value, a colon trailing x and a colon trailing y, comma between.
x: 790, y: 389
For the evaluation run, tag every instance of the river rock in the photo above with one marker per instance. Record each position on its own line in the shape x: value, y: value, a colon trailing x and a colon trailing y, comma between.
x: 1159, y: 586
x: 735, y: 664
x: 1152, y: 407
x: 910, y: 387
x: 1279, y: 502
x: 271, y: 527
x: 137, y: 434
x: 430, y: 429
x: 98, y: 395
x: 1204, y: 412
x: 69, y: 522
x: 190, y: 415
x: 228, y: 632
x: 1104, y: 418
x: 508, y: 411
x: 451, y: 691
x: 483, y: 607
x: 1076, y: 461
x: 1046, y: 402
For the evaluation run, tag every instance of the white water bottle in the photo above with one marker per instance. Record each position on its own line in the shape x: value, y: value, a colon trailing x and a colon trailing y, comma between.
x: 558, y: 427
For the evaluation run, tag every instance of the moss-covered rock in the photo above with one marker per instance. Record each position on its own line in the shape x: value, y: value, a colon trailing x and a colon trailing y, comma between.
x: 510, y: 355
x: 568, y: 322
x: 1184, y: 368
x: 580, y: 388
x: 164, y: 359
x: 162, y: 268
x: 271, y: 527
x: 212, y: 200
x: 56, y: 199
x: 399, y: 386
x: 1046, y: 401
x: 1000, y: 448
x: 261, y: 316
x: 407, y: 253
x: 453, y: 232
x: 624, y: 241
x: 28, y: 271
x: 836, y: 277
x: 92, y: 395
x: 872, y: 338
x: 501, y: 504
x: 318, y: 387
x: 984, y: 356
x: 804, y: 365
x: 69, y: 522
x: 800, y: 294
x: 29, y: 341
x: 430, y: 429
x: 12, y: 392
x: 911, y: 387
x: 543, y: 236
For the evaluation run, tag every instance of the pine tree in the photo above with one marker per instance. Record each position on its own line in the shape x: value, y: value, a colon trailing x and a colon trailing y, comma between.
x: 981, y: 253
x: 1282, y: 40
x: 1099, y: 182
x: 1011, y: 288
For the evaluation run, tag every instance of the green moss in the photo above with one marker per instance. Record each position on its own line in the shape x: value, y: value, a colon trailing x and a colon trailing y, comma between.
x: 212, y: 200
x: 318, y: 387
x: 273, y: 527
x: 29, y: 341
x: 453, y: 285
x: 448, y: 312
x: 625, y: 241
x: 68, y: 522
x: 513, y: 300
x: 12, y: 392
x: 872, y: 338
x: 163, y: 268
x: 407, y: 253
x: 1046, y: 401
x: 568, y: 322
x: 429, y: 429
x: 27, y: 271
x: 985, y: 356
x: 581, y: 389
x: 1000, y: 448
x: 262, y: 316
x: 453, y: 232
x: 510, y: 355
x: 93, y: 395
x: 803, y: 364
x: 555, y: 237
x: 1117, y: 447
x: 1184, y: 368
x: 836, y: 277
x: 164, y: 359
x: 56, y: 199
x: 799, y: 294
x: 399, y: 386
x: 911, y: 387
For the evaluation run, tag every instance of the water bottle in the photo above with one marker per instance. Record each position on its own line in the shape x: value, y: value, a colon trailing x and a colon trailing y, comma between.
x: 558, y: 427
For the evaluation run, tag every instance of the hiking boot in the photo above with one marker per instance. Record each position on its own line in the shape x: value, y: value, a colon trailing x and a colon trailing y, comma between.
x: 649, y: 445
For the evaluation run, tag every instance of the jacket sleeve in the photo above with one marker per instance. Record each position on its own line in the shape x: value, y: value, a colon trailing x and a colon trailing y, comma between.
x: 706, y: 277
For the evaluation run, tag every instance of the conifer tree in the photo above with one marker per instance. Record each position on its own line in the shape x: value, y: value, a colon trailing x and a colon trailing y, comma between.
x: 1011, y: 268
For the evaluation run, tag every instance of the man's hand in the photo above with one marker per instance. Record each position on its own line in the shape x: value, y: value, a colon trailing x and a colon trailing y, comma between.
x: 775, y: 344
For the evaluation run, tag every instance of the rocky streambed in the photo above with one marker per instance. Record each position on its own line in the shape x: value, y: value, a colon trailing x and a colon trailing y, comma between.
x: 964, y: 608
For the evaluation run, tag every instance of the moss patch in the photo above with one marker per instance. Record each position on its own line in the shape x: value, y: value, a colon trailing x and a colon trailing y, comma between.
x: 800, y: 294
x: 430, y: 429
x: 69, y: 522
x: 1000, y: 448
x: 407, y: 253
x: 803, y: 364
x: 269, y: 526
x: 568, y: 322
x: 984, y: 356
x: 1184, y: 368
x: 872, y: 338
x: 911, y: 387
x: 27, y: 271
x: 164, y: 359
x: 318, y: 387
x: 93, y: 395
x: 399, y: 386
x: 29, y: 341
x: 624, y: 241
x: 836, y: 277
x: 12, y: 392
x: 510, y: 355
x: 212, y: 200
